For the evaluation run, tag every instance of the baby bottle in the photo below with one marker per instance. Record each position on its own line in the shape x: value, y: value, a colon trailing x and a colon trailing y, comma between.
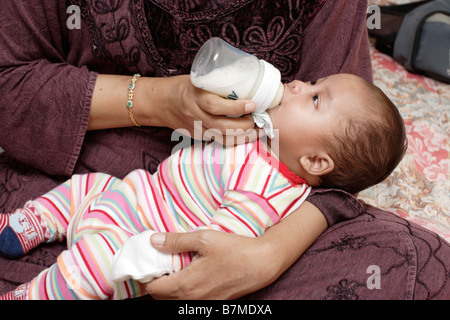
x: 231, y: 73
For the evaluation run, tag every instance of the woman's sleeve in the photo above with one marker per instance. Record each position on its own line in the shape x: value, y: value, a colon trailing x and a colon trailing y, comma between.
x: 336, y: 41
x: 45, y: 104
x: 336, y: 205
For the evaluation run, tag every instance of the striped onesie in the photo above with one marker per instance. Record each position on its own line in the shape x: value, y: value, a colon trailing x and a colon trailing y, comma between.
x: 239, y: 189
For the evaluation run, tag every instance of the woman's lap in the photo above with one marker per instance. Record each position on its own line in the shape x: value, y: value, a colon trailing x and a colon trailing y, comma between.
x: 374, y: 256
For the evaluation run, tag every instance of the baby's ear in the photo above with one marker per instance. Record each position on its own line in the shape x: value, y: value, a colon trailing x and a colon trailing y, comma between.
x: 318, y: 164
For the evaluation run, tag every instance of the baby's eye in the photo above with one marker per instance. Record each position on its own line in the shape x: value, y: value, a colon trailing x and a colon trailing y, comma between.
x: 313, y: 82
x: 316, y: 100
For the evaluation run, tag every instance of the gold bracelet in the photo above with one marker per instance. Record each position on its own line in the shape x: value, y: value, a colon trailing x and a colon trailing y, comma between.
x: 131, y: 87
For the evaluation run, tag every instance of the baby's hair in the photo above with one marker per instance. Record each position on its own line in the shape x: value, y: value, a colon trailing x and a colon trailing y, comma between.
x: 366, y: 149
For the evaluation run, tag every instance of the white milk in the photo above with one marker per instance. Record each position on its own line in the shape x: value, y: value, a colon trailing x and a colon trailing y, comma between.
x: 235, y: 81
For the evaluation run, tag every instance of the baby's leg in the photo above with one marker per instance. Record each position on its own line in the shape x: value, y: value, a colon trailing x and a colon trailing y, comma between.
x: 60, y: 205
x: 82, y: 272
x: 46, y: 218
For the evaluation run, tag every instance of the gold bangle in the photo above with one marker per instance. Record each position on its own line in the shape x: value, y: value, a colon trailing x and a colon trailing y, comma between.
x: 131, y: 87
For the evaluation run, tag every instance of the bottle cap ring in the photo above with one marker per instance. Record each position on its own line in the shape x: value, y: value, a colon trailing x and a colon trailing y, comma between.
x: 268, y: 88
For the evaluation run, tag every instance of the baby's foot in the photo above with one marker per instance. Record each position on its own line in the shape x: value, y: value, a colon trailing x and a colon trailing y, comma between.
x: 20, y: 232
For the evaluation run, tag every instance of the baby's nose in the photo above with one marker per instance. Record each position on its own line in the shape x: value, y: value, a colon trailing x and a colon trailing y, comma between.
x: 298, y: 86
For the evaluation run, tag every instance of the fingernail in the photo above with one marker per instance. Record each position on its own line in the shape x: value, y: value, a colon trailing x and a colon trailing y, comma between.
x: 249, y: 107
x: 158, y: 239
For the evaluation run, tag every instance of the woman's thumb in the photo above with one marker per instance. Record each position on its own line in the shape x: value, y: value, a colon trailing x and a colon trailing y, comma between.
x: 174, y: 242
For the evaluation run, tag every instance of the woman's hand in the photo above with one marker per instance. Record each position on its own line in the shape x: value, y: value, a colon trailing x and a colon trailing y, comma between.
x: 172, y: 102
x: 228, y: 266
x: 218, y: 271
x: 203, y: 114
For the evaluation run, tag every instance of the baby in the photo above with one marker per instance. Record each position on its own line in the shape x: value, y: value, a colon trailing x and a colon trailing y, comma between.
x: 339, y: 131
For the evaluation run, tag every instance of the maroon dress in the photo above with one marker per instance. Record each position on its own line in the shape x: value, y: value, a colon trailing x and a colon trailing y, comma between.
x: 48, y: 69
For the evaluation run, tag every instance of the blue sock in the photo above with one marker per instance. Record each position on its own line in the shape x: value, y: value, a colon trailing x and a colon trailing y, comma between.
x: 20, y: 232
x: 10, y: 245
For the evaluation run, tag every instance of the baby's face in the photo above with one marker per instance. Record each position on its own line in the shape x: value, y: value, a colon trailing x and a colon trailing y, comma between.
x: 310, y: 109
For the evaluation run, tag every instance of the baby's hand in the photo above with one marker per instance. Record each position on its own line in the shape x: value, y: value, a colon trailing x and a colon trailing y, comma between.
x: 138, y: 260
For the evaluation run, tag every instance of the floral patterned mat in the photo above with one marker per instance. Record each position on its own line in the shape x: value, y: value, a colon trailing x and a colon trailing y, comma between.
x: 419, y: 188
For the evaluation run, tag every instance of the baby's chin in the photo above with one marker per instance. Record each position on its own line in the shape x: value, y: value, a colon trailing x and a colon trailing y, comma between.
x: 273, y: 111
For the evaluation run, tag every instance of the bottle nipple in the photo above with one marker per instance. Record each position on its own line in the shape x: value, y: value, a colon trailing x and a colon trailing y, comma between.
x: 276, y: 101
x: 269, y: 95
